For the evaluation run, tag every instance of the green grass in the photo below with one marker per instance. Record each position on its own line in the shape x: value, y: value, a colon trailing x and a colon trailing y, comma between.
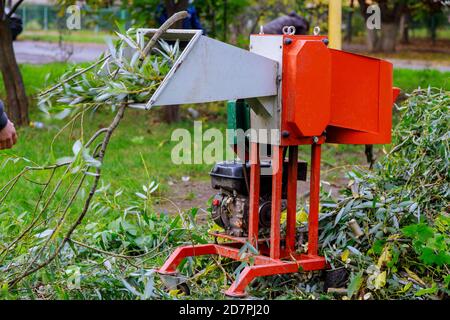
x: 80, y: 36
x: 409, y: 80
x: 37, y: 77
x: 137, y: 136
x: 423, y: 33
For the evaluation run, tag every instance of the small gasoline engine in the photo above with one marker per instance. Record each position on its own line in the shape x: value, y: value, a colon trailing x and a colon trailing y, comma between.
x: 230, y: 206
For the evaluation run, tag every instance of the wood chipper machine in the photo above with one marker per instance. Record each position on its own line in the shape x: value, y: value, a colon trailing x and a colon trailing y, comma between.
x: 305, y: 93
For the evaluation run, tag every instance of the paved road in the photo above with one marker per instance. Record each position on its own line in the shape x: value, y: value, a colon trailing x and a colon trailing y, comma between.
x: 37, y: 52
x: 419, y: 65
x: 45, y: 52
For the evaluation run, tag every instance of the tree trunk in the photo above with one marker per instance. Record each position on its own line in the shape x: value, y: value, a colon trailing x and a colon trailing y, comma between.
x: 433, y: 27
x: 172, y: 113
x: 17, y: 102
x: 389, y: 33
x: 386, y: 39
x: 373, y: 40
x: 225, y: 21
x: 349, y: 33
x: 404, y: 28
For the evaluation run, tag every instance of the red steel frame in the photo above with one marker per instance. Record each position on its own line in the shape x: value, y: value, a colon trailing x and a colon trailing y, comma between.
x: 277, y: 257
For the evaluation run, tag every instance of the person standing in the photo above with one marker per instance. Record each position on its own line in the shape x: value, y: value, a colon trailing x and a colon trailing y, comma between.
x: 8, y: 134
x: 191, y: 22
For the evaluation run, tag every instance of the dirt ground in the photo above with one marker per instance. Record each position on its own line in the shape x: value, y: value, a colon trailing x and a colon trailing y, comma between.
x: 197, y: 194
x: 185, y: 196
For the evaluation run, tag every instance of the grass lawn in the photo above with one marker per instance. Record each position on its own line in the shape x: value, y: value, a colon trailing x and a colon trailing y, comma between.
x: 142, y: 138
x: 80, y: 36
x: 409, y: 80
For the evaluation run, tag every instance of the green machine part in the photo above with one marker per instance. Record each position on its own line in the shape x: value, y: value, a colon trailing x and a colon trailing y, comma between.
x: 238, y: 117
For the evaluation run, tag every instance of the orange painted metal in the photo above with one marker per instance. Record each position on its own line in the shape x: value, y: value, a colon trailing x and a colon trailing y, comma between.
x: 277, y: 174
x: 327, y: 96
x: 306, y: 87
x: 261, y: 265
x: 366, y: 116
x: 347, y: 96
x: 274, y: 257
x: 255, y: 173
x: 313, y: 218
x: 307, y: 263
x: 396, y: 93
x: 291, y: 213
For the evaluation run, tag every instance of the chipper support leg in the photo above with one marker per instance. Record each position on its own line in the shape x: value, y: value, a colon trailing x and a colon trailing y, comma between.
x: 292, y: 198
x: 246, y: 276
x: 277, y: 169
x: 170, y: 267
x: 249, y: 273
x: 255, y: 171
x: 313, y: 220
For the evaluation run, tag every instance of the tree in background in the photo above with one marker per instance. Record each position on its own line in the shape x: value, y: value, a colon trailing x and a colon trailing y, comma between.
x: 16, y: 98
x: 225, y: 20
x: 384, y: 40
x: 431, y: 12
x: 396, y: 16
x: 172, y: 113
x: 349, y: 24
x: 234, y: 20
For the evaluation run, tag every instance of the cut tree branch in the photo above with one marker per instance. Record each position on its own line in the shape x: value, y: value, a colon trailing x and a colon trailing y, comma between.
x: 14, y: 8
x: 112, y: 127
x: 166, y: 25
x: 153, y: 41
x: 100, y: 151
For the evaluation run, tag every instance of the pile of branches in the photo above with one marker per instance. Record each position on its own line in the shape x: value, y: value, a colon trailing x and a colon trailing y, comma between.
x: 114, y: 80
x: 391, y: 227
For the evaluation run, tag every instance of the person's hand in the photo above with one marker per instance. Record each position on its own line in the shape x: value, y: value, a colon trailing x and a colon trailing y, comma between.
x: 8, y: 136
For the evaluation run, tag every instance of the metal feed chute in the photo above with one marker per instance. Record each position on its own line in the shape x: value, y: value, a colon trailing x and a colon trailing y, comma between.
x: 209, y: 70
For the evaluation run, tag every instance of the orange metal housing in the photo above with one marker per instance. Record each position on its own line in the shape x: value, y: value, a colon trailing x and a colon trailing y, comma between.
x: 327, y: 96
x: 344, y: 96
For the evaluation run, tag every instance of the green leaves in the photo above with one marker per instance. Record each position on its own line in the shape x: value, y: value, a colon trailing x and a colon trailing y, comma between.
x: 431, y: 246
x: 421, y: 232
x: 399, y: 206
x: 355, y: 283
x: 427, y: 291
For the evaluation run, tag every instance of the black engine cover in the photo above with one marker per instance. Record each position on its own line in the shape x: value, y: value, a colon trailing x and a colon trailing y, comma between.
x: 231, y: 177
x: 230, y: 206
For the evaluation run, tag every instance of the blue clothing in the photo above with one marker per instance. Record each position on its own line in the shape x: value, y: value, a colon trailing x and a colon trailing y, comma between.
x: 191, y: 22
x: 3, y: 117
